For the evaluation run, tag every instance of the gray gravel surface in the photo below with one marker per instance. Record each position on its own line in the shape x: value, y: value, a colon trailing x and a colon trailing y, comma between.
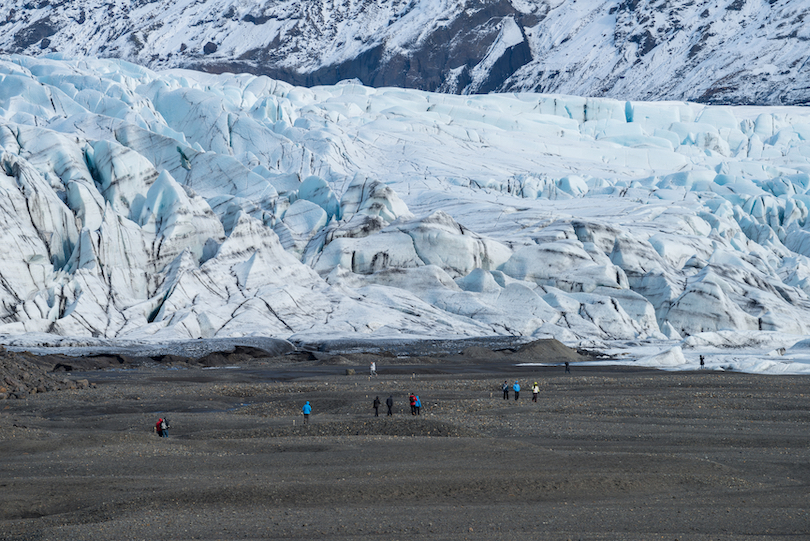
x: 605, y: 453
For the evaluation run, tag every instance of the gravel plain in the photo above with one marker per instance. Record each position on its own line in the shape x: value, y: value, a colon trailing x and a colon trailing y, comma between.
x: 606, y: 453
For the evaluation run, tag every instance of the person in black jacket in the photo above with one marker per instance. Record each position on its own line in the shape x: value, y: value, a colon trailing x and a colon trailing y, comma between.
x: 377, y: 406
x: 390, y: 403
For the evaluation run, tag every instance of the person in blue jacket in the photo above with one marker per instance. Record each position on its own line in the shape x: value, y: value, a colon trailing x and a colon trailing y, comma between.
x: 516, y: 387
x: 418, y: 405
x: 307, y: 409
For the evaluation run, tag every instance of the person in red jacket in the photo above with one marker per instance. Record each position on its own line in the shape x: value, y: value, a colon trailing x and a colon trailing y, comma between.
x: 162, y: 428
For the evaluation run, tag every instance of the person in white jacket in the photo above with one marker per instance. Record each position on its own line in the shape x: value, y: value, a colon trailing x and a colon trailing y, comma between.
x: 535, y: 391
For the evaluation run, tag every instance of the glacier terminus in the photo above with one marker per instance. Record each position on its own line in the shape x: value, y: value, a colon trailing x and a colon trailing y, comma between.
x: 171, y: 205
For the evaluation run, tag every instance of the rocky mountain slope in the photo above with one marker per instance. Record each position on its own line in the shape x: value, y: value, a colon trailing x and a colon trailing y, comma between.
x: 726, y: 51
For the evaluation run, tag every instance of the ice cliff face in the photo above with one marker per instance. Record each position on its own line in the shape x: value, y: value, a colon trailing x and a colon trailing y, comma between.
x: 181, y: 205
x: 710, y: 51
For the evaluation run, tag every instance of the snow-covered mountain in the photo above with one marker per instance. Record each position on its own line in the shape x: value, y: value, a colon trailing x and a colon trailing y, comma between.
x: 158, y: 206
x: 710, y: 51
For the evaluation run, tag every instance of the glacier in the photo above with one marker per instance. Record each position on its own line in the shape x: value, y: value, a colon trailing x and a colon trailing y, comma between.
x: 151, y: 207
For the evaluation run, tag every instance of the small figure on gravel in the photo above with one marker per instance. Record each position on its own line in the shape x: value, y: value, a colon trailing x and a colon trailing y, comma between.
x: 516, y: 387
x: 505, y: 389
x: 418, y: 405
x: 412, y: 400
x: 535, y: 391
x: 702, y: 364
x: 307, y: 409
x: 372, y: 369
x: 162, y: 428
x: 567, y: 368
x: 390, y: 403
x: 377, y: 406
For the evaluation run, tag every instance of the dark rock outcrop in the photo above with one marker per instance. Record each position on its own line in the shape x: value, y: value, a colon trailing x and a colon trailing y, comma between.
x: 22, y: 374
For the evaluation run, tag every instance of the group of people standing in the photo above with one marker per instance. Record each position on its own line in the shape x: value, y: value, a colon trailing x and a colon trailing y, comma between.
x: 416, y: 404
x: 388, y: 402
x: 516, y: 389
x: 162, y: 427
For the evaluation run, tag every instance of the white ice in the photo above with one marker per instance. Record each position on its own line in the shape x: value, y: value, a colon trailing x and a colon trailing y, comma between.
x: 179, y: 205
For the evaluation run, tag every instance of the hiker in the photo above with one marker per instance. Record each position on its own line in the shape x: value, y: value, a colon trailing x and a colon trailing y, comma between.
x: 516, y: 387
x: 505, y: 389
x: 377, y: 406
x: 412, y: 400
x: 567, y: 370
x: 390, y: 403
x: 307, y: 409
x: 535, y: 391
x: 418, y: 405
x: 162, y: 428
x: 372, y: 369
x: 702, y: 364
